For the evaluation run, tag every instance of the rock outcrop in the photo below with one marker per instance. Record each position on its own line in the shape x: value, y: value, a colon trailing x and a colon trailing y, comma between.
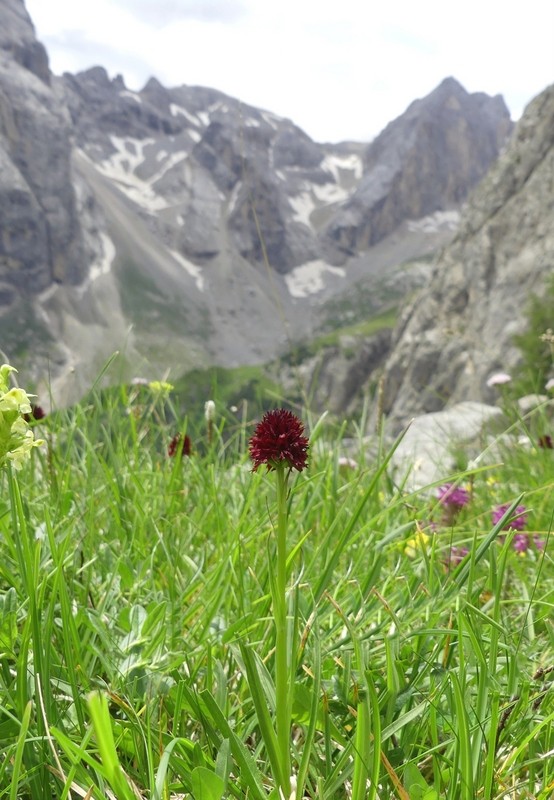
x: 40, y: 233
x: 336, y: 378
x: 429, y: 449
x: 459, y: 329
x: 17, y: 39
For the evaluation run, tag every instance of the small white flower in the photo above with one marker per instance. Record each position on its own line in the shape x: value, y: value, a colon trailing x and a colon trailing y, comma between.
x: 499, y: 378
x: 349, y: 463
x: 209, y: 410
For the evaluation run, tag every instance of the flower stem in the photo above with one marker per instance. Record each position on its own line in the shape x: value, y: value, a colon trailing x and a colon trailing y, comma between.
x: 282, y: 650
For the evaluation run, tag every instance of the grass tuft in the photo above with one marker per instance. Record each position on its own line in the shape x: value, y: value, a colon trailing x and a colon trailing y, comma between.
x: 137, y: 645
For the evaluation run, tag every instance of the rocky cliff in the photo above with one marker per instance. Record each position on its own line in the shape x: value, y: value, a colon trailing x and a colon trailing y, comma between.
x: 40, y: 233
x: 189, y: 228
x: 426, y: 160
x: 459, y: 329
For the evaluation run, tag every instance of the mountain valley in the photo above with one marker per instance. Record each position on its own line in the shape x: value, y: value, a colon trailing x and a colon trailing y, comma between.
x: 185, y: 229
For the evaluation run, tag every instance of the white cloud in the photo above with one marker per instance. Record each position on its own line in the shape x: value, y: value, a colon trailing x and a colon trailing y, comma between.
x: 339, y: 70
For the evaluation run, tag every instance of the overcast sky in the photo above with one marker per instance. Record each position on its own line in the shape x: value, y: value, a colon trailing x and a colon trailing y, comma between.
x: 340, y: 69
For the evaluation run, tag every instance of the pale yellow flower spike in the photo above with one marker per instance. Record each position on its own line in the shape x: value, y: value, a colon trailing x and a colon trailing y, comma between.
x: 16, y: 437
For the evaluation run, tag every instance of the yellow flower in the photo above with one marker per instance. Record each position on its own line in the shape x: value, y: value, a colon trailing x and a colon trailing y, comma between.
x: 16, y: 438
x: 161, y: 387
x: 416, y: 543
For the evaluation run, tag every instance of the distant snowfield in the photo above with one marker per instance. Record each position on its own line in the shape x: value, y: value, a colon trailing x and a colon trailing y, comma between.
x: 103, y: 264
x: 271, y: 119
x: 302, y: 206
x: 345, y: 171
x: 308, y: 278
x: 132, y: 95
x: 193, y: 269
x: 175, y: 110
x: 330, y: 193
x: 337, y: 164
x: 315, y: 196
x: 439, y: 221
x: 121, y: 167
x: 171, y: 161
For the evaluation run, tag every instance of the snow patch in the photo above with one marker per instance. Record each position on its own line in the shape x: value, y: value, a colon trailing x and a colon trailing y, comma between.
x: 309, y: 278
x: 204, y: 117
x: 121, y: 167
x: 174, y: 158
x: 103, y: 263
x: 132, y: 95
x: 192, y: 269
x: 235, y: 192
x: 330, y: 193
x: 176, y: 110
x: 433, y: 223
x: 252, y: 123
x: 336, y: 164
x: 315, y: 196
x: 194, y: 135
x: 129, y: 155
x: 271, y: 119
x: 303, y: 205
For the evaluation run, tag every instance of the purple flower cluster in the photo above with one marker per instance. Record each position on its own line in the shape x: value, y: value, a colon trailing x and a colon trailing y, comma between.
x: 517, y: 522
x: 456, y: 556
x: 453, y: 496
x: 521, y: 541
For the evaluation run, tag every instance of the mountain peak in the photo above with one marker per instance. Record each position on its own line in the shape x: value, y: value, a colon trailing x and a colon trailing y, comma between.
x: 450, y: 84
x: 97, y: 75
x: 153, y: 85
x: 460, y: 328
x: 426, y: 160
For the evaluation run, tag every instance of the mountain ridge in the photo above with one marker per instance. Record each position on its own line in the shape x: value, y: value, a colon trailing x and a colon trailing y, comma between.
x: 193, y: 228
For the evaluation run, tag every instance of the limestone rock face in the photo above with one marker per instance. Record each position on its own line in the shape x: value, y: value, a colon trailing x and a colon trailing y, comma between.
x: 426, y: 160
x: 40, y: 236
x: 336, y: 378
x: 426, y: 451
x: 234, y: 173
x: 17, y: 40
x: 283, y: 198
x: 459, y: 329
